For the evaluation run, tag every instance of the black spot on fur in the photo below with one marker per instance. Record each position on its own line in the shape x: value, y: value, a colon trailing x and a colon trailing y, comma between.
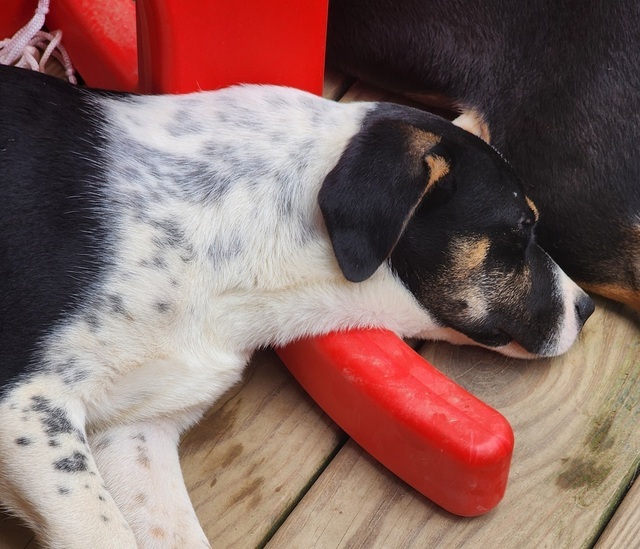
x: 159, y: 262
x: 102, y: 498
x: 75, y: 463
x: 53, y: 442
x: 156, y: 262
x: 53, y: 418
x: 221, y: 251
x: 63, y: 491
x: 171, y: 235
x: 102, y: 443
x: 116, y: 304
x: 185, y: 123
x: 74, y: 376
x: 24, y: 441
x: 104, y: 518
x: 92, y: 320
x: 162, y: 307
x: 140, y: 437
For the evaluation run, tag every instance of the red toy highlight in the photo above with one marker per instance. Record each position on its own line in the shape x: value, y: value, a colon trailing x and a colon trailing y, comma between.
x: 437, y: 437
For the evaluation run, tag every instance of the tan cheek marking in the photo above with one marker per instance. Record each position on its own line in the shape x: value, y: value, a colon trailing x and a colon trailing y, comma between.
x: 531, y: 205
x: 470, y: 253
x: 438, y: 168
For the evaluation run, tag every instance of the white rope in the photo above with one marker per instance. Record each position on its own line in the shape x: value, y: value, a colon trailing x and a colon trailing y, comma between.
x: 31, y: 47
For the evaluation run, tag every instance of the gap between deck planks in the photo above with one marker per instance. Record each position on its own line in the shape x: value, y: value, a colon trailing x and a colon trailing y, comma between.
x: 262, y: 446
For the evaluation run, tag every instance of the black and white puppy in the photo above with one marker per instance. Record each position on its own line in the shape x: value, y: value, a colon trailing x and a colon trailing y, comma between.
x: 554, y: 85
x: 149, y: 245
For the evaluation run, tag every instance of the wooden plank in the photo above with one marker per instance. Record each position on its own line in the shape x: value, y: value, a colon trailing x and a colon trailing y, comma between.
x: 575, y: 418
x: 247, y: 461
x: 623, y: 532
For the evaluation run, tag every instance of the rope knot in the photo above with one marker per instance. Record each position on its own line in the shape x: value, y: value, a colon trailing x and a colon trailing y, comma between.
x: 31, y: 47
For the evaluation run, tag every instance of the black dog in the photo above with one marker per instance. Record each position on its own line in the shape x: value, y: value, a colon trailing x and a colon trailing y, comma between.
x: 557, y: 85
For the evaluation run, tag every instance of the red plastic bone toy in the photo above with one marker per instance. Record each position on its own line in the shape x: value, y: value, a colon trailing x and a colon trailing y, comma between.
x: 443, y: 441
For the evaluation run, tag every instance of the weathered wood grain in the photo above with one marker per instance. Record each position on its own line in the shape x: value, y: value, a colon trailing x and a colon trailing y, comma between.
x: 623, y: 532
x: 247, y: 462
x: 575, y: 420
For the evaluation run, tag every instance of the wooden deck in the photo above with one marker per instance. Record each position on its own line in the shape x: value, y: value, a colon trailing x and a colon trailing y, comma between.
x: 267, y: 468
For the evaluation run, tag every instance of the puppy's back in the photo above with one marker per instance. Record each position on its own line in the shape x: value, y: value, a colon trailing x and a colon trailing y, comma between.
x: 52, y: 244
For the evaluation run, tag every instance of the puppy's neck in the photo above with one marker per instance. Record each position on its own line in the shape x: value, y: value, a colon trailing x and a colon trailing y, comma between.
x: 220, y: 190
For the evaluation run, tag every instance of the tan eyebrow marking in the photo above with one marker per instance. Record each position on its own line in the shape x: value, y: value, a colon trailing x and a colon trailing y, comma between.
x: 438, y: 168
x: 536, y: 214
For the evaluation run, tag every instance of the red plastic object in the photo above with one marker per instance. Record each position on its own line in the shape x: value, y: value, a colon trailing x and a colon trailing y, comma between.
x: 15, y: 15
x: 185, y: 45
x: 100, y: 36
x: 437, y: 437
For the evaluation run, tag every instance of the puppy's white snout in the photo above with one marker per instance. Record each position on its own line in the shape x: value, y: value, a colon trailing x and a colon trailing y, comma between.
x: 578, y: 307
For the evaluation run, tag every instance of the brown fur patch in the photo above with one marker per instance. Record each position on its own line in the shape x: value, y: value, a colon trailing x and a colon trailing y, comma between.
x: 536, y: 214
x: 618, y: 293
x: 467, y: 257
x: 476, y: 283
x: 473, y: 122
x: 472, y: 253
x: 438, y: 167
x: 158, y: 532
x: 420, y: 141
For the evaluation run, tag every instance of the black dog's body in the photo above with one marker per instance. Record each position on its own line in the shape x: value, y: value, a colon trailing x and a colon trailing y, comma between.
x: 557, y: 83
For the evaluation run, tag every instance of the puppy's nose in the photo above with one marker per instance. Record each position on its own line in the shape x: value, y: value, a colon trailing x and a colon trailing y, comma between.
x: 584, y: 307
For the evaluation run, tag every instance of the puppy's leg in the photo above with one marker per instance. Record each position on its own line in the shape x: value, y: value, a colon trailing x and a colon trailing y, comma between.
x: 140, y: 466
x: 48, y: 476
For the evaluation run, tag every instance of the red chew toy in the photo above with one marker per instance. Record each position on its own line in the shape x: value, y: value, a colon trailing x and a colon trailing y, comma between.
x: 430, y: 432
x: 433, y: 434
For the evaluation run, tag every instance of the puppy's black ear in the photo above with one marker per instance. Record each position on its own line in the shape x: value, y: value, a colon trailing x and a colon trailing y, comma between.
x: 372, y: 192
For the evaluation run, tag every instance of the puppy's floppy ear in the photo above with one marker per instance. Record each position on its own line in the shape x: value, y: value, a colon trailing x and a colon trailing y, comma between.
x: 372, y: 192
